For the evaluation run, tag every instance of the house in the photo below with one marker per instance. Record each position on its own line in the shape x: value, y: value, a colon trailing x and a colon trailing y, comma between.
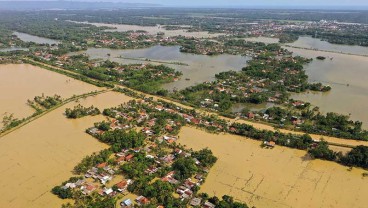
x: 104, y: 178
x: 250, y: 115
x: 159, y: 107
x: 195, y: 121
x: 129, y: 157
x: 89, y: 188
x: 151, y: 170
x: 184, y: 192
x: 208, y: 204
x: 126, y: 203
x: 120, y: 159
x: 297, y: 103
x: 168, y: 158
x: 122, y: 185
x: 101, y: 165
x: 270, y: 144
x: 195, y: 202
x: 189, y: 184
x: 141, y: 200
x: 169, y: 139
x: 170, y: 178
x: 108, y: 191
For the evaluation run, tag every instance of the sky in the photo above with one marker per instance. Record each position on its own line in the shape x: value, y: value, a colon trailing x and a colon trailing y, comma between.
x: 245, y: 3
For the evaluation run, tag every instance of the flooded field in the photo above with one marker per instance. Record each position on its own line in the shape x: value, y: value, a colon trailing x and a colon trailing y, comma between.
x: 42, y: 154
x: 31, y: 38
x: 153, y: 30
x: 20, y: 82
x: 263, y: 40
x: 314, y: 43
x: 197, y: 68
x: 347, y: 75
x: 13, y: 49
x: 278, y: 178
x: 239, y: 107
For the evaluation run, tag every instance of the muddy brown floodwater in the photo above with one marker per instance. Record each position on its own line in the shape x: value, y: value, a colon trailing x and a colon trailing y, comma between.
x: 347, y: 75
x: 42, y: 154
x: 278, y: 178
x: 20, y: 82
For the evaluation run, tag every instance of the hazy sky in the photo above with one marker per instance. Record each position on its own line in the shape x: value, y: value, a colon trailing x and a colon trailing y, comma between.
x: 272, y: 3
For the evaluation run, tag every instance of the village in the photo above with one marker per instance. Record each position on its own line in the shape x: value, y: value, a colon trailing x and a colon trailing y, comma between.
x: 143, y: 139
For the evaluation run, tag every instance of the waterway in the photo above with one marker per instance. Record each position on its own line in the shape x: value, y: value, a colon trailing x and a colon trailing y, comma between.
x: 36, y: 39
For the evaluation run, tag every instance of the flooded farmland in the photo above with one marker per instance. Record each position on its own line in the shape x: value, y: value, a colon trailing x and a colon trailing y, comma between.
x: 20, y: 82
x: 347, y: 75
x: 279, y: 177
x: 153, y: 30
x: 317, y: 44
x: 42, y: 154
x: 338, y: 70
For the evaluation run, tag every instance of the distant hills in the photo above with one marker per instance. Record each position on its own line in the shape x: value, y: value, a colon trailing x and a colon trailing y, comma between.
x: 68, y: 5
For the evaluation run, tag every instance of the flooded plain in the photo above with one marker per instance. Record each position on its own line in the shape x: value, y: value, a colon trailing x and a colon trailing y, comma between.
x: 267, y: 40
x: 279, y: 177
x: 13, y: 49
x: 317, y: 44
x: 42, y: 154
x: 36, y: 39
x: 347, y: 75
x: 20, y: 82
x: 153, y: 30
x: 196, y: 69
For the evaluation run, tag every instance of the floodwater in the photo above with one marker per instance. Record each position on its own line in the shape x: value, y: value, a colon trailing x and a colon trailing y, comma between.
x: 13, y: 49
x: 279, y: 178
x: 347, y: 75
x: 262, y: 39
x: 153, y: 30
x: 317, y: 44
x: 36, y: 39
x: 42, y: 154
x: 20, y: 82
x: 201, y: 68
x: 238, y: 107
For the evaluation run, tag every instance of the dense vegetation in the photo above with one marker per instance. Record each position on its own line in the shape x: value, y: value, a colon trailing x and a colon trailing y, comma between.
x: 81, y: 111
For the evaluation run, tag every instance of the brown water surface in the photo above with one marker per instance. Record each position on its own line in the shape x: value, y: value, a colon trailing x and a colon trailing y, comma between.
x: 279, y: 177
x: 20, y: 82
x: 42, y: 154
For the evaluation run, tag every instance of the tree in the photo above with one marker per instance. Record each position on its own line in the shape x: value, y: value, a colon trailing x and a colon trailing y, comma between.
x: 322, y: 151
x: 358, y: 156
x: 63, y: 193
x: 184, y: 168
x: 205, y: 156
